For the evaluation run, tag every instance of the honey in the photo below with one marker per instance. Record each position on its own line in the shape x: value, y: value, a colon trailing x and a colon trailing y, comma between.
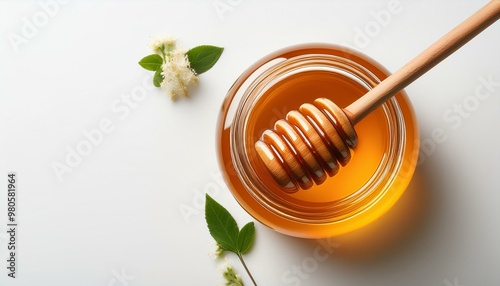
x: 381, y: 164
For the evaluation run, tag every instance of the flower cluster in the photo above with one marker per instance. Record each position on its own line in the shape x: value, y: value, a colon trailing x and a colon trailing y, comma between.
x: 159, y: 44
x: 176, y: 71
x: 218, y: 252
x: 177, y: 75
x: 232, y: 278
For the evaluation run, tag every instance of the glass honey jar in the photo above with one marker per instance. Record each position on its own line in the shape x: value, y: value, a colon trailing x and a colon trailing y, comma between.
x: 382, y: 162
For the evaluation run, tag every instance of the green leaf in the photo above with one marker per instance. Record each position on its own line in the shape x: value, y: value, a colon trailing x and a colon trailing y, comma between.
x: 152, y: 62
x: 158, y: 78
x: 203, y: 58
x: 221, y: 225
x: 246, y: 237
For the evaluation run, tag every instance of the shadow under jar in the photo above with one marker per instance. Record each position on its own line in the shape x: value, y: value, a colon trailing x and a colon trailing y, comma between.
x: 381, y: 165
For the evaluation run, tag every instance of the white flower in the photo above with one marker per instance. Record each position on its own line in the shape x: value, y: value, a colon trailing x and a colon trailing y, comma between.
x: 162, y: 43
x: 218, y: 251
x: 169, y: 43
x: 232, y: 278
x: 177, y: 75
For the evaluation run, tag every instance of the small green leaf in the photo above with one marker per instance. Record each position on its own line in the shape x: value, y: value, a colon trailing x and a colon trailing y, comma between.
x: 203, y: 58
x: 246, y: 237
x: 152, y: 62
x: 158, y: 78
x: 221, y: 225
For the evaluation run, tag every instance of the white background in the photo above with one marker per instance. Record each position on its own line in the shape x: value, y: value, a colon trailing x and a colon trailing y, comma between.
x: 116, y: 218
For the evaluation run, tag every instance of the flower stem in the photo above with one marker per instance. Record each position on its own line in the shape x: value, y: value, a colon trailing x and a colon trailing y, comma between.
x: 163, y: 54
x: 246, y: 268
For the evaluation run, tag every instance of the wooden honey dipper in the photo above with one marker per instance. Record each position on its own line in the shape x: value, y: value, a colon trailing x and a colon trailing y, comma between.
x: 314, y: 140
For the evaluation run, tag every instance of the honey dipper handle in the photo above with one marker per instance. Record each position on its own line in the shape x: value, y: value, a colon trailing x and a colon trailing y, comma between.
x: 419, y: 65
